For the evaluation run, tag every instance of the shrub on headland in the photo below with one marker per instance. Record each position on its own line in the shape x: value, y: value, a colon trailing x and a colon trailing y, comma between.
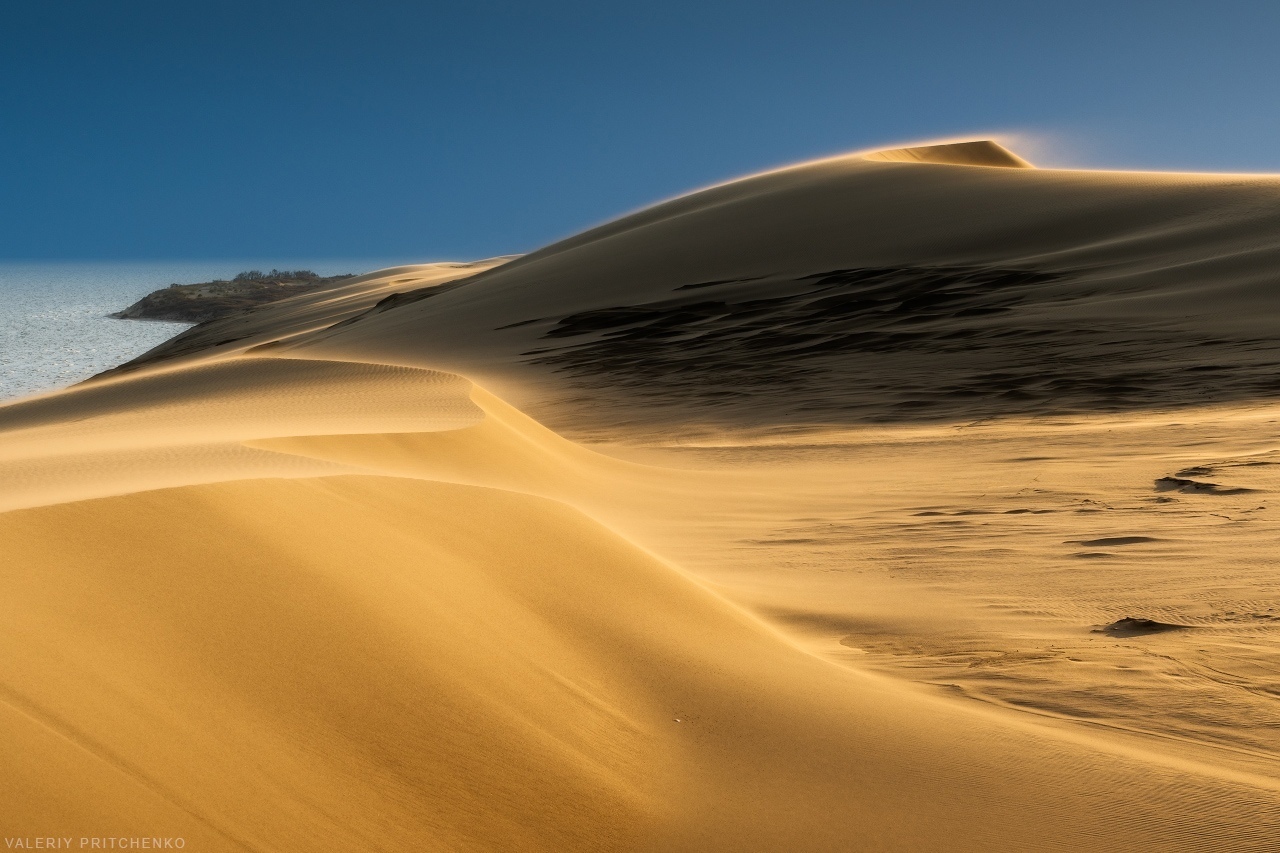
x: 279, y: 275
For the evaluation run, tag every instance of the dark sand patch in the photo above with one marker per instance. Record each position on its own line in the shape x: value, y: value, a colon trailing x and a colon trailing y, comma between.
x: 1108, y: 541
x: 1131, y: 627
x: 1196, y: 487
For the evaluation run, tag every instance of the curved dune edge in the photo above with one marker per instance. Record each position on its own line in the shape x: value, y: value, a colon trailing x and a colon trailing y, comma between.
x: 978, y: 152
x: 189, y: 424
x: 438, y: 655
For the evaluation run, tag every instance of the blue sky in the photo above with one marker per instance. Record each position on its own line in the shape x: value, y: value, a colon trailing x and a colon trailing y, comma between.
x: 456, y: 130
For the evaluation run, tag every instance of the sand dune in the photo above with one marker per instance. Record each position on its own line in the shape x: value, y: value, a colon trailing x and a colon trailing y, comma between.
x: 852, y: 290
x: 926, y: 510
x: 295, y: 316
x: 368, y: 661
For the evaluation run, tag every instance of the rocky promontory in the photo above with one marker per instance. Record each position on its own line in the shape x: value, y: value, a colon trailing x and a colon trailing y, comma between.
x: 212, y: 300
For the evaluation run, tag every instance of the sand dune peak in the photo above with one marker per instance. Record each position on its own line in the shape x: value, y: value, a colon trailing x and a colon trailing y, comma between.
x: 977, y: 152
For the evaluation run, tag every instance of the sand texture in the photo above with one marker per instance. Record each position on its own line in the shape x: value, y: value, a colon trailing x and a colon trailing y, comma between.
x: 915, y: 500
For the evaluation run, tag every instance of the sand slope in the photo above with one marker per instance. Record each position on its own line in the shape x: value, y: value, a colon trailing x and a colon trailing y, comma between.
x: 400, y: 662
x: 172, y: 427
x: 293, y: 583
x: 851, y: 290
x: 391, y: 675
x: 300, y: 314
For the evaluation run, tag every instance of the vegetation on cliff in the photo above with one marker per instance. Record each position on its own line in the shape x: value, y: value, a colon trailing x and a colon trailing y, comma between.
x: 212, y: 300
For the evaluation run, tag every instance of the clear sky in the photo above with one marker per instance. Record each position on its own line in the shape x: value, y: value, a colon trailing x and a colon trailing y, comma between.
x: 191, y: 129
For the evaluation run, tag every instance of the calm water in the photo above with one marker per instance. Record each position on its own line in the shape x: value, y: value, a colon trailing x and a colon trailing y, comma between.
x: 54, y: 328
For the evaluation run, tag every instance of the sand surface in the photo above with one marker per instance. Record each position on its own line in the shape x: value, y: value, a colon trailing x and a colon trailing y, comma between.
x: 910, y: 501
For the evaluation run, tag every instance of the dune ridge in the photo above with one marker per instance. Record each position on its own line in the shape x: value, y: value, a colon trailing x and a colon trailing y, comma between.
x: 774, y: 301
x: 315, y: 577
x: 980, y: 152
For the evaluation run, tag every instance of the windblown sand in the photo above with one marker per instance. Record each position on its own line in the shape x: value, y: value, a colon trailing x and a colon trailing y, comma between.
x: 910, y: 501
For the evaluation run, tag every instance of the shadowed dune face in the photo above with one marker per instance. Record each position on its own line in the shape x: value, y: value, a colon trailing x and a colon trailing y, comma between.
x: 890, y: 345
x: 811, y: 341
x: 896, y: 345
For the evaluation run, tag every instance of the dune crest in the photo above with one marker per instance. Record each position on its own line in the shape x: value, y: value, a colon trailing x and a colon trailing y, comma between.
x: 978, y: 152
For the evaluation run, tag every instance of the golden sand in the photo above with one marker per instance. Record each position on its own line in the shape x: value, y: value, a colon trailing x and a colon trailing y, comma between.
x: 307, y: 580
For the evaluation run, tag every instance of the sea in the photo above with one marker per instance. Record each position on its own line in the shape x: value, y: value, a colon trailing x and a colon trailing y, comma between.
x: 54, y: 325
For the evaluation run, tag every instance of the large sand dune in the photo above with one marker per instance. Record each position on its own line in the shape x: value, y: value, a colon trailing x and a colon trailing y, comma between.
x: 855, y: 290
x: 886, y: 448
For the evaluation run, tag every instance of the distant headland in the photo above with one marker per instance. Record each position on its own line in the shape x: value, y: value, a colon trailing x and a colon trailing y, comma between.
x: 212, y: 300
